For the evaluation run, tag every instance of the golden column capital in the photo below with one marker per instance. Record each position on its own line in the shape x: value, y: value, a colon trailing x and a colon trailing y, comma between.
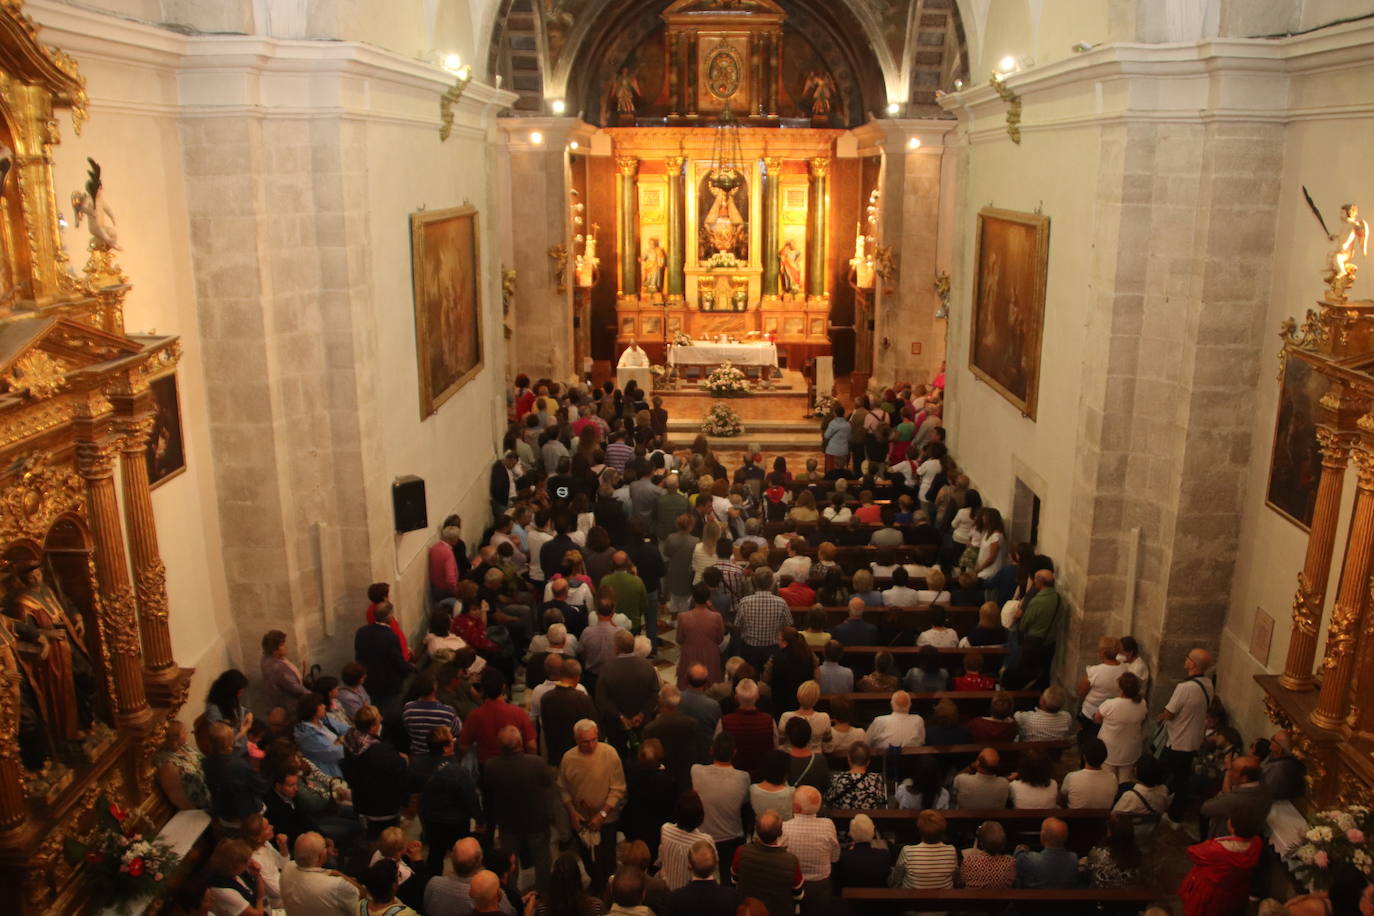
x: 675, y: 164
x: 820, y: 166
x: 95, y: 460
x: 1335, y: 447
x: 627, y: 165
x: 1363, y: 458
x: 134, y: 432
x: 773, y: 164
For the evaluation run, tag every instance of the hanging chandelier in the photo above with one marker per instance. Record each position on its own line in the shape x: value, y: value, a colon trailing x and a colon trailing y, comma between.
x: 727, y: 155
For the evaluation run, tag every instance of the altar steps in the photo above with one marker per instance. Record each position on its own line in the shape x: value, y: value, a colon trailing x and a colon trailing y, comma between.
x: 771, y: 436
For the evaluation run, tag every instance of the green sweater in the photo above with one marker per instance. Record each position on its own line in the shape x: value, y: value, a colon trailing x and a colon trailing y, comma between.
x: 631, y: 597
x: 1042, y: 614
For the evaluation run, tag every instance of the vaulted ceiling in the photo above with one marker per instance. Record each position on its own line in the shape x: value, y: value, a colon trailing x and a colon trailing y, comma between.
x: 880, y: 51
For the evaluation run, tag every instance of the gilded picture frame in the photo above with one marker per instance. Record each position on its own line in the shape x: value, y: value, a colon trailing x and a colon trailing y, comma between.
x: 166, y: 450
x: 1295, y: 461
x: 1012, y: 257
x: 446, y: 278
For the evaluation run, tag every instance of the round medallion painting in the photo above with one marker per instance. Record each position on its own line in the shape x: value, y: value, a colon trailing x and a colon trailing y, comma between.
x: 723, y: 72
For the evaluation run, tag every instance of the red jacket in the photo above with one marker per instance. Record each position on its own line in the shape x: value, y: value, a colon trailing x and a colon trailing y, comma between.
x: 1219, y: 883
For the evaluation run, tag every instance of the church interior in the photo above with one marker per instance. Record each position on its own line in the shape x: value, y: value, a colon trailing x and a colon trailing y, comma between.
x: 274, y: 270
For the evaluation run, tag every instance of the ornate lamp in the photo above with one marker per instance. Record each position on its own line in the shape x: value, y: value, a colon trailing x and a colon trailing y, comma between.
x: 727, y: 155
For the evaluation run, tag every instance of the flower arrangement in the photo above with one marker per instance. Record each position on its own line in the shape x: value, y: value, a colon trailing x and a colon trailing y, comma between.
x: 1335, y: 838
x: 129, y: 866
x: 825, y: 405
x: 681, y: 340
x: 726, y: 380
x: 722, y: 260
x: 722, y: 421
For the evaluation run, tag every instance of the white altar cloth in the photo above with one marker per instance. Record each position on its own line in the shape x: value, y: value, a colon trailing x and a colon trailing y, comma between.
x: 759, y: 353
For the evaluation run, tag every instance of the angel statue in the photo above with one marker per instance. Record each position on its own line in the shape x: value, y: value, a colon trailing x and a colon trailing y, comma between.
x: 1340, y: 273
x: 624, y: 90
x: 91, y: 204
x: 821, y: 88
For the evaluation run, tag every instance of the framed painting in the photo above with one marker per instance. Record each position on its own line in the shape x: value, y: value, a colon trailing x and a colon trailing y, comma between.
x: 166, y: 445
x: 1295, y: 464
x: 445, y: 261
x: 1012, y: 255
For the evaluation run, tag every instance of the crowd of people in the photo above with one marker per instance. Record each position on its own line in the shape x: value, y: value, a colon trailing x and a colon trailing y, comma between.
x: 535, y: 724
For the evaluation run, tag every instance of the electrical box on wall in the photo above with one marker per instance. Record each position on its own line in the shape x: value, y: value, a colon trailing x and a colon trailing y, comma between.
x: 916, y: 349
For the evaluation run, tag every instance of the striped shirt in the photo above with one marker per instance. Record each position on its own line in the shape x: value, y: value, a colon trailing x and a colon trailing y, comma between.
x: 421, y: 717
x: 927, y: 865
x: 618, y: 454
x: 673, y: 848
x: 732, y: 577
x: 760, y: 616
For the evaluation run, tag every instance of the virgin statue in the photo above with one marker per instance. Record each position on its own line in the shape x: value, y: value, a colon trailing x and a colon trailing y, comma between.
x: 724, y: 222
x: 51, y: 648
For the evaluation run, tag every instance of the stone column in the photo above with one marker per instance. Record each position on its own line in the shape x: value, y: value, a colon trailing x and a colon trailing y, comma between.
x: 150, y: 576
x: 95, y: 462
x: 676, y: 246
x: 627, y: 177
x: 816, y: 228
x: 1352, y: 597
x: 1311, y: 594
x: 772, y: 223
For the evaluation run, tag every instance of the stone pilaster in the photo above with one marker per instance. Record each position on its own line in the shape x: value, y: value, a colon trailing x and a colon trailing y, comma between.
x: 1321, y: 540
x: 818, y: 221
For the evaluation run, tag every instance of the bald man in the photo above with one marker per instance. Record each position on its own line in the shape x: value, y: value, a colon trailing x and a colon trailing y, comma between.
x: 1053, y: 866
x: 981, y: 786
x: 767, y: 871
x: 517, y: 792
x: 632, y: 597
x: 308, y: 888
x: 816, y: 845
x: 454, y: 895
x: 1242, y: 790
x: 900, y: 728
x: 1185, y: 719
x: 486, y: 894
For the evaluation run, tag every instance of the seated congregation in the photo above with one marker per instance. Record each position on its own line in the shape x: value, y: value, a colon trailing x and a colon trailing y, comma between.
x: 659, y: 686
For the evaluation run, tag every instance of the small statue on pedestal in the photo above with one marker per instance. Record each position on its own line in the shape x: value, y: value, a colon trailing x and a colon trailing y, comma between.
x: 91, y: 204
x: 1340, y: 273
x: 624, y: 90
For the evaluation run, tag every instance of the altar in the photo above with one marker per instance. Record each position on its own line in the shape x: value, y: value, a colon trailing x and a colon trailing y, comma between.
x: 762, y: 353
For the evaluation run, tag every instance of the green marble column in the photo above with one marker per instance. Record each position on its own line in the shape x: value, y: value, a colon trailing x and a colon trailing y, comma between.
x: 676, y: 249
x: 627, y: 171
x: 772, y: 224
x: 815, y: 241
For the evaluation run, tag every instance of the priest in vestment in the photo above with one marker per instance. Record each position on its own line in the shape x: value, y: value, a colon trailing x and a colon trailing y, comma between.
x: 634, y: 357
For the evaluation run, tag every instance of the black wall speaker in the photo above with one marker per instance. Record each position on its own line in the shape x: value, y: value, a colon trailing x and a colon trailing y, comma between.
x: 408, y: 504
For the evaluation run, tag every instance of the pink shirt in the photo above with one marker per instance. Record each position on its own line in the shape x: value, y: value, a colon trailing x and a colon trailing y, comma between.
x: 443, y: 566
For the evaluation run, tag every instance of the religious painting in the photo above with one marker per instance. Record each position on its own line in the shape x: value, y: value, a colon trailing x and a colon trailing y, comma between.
x: 1296, y: 463
x: 627, y: 326
x: 650, y: 325
x: 166, y: 447
x: 448, y: 308
x: 1009, y: 303
x: 724, y: 215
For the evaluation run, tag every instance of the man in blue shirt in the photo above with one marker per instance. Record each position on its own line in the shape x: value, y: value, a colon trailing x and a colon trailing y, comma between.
x: 856, y: 631
x: 1053, y: 866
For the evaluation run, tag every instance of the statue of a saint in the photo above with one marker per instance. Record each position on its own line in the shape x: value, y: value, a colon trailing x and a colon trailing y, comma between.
x: 624, y: 90
x: 820, y: 87
x: 789, y: 268
x: 50, y: 645
x: 655, y: 261
x: 724, y: 223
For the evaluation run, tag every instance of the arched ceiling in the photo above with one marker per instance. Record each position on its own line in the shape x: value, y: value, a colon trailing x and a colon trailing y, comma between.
x: 880, y: 51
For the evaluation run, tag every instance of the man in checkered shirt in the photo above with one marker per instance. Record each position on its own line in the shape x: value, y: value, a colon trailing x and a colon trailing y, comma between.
x: 759, y: 617
x: 732, y: 575
x: 813, y: 841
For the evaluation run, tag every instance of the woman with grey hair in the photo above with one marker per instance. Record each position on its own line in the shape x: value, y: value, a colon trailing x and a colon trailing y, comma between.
x: 865, y: 861
x: 986, y: 863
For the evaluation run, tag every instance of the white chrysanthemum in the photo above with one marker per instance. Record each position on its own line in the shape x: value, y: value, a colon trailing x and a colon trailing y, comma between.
x: 1306, y: 852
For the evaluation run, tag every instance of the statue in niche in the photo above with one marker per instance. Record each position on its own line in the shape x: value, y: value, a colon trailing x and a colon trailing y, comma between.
x: 789, y: 268
x: 91, y: 204
x: 724, y: 223
x: 624, y: 90
x: 655, y: 261
x: 820, y: 88
x: 50, y: 645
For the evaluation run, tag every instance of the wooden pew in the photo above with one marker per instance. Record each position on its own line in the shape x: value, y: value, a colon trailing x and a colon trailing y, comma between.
x: 904, y: 657
x: 971, y: 703
x: 1009, y: 751
x: 1086, y: 825
x: 982, y: 900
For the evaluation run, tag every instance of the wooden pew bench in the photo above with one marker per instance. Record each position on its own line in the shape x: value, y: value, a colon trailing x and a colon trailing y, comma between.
x: 984, y: 900
x: 1086, y: 825
x: 971, y: 703
x: 905, y: 657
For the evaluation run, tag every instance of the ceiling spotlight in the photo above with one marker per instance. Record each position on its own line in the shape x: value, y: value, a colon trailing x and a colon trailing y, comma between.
x: 572, y: 144
x: 913, y: 143
x: 452, y: 62
x: 893, y: 108
x: 1007, y: 64
x: 558, y: 106
x: 536, y: 138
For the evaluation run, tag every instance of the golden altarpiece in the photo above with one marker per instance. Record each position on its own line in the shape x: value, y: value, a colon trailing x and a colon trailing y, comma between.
x: 723, y: 203
x: 1331, y: 712
x: 87, y: 678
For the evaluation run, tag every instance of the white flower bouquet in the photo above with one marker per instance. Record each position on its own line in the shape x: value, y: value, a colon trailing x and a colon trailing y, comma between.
x: 722, y: 260
x: 725, y: 380
x: 825, y: 405
x: 1335, y: 838
x: 722, y: 421
x: 681, y: 340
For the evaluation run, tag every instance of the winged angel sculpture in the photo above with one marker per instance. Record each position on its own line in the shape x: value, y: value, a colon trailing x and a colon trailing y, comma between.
x: 91, y: 204
x: 1340, y: 272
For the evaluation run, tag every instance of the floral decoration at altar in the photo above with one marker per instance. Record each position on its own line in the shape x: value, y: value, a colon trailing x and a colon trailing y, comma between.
x: 1334, y: 839
x: 726, y: 380
x: 722, y: 421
